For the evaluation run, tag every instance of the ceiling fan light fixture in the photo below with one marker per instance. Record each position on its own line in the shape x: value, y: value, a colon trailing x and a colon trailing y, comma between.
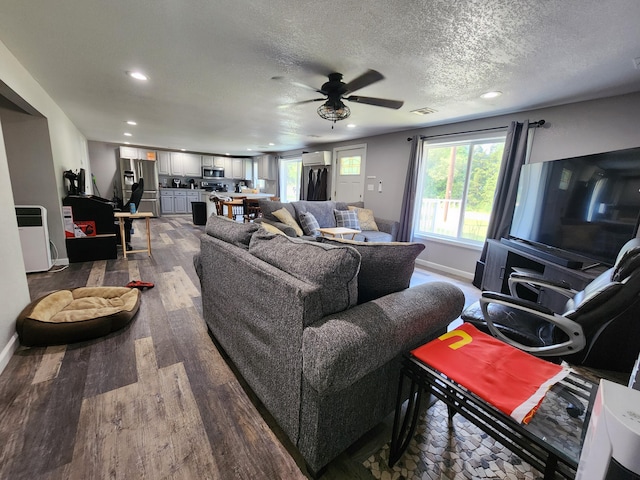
x: 334, y: 114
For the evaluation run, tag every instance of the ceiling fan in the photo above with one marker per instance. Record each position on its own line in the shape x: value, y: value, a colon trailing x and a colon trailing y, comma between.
x: 335, y: 91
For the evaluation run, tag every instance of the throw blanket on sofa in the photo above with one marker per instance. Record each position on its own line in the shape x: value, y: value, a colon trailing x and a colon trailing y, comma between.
x: 513, y: 381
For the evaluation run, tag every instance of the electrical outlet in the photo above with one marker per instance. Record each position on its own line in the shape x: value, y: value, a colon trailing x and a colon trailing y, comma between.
x: 636, y: 63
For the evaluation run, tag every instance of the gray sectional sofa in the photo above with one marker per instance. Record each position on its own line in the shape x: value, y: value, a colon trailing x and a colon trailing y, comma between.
x: 323, y: 211
x: 286, y: 312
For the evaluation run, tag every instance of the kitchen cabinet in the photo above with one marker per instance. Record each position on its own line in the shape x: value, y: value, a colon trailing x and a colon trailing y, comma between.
x: 267, y: 167
x: 174, y: 201
x: 164, y: 163
x: 132, y: 153
x: 185, y: 164
x: 166, y: 201
x: 180, y: 202
x: 238, y: 168
x: 207, y: 160
x: 192, y: 196
x: 147, y: 154
x: 129, y: 152
x: 218, y: 161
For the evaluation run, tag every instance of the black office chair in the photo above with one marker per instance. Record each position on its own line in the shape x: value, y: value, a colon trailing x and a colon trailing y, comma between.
x: 599, y: 326
x: 136, y: 195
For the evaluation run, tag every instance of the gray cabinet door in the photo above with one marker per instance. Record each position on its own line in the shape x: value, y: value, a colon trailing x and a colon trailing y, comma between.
x: 180, y: 202
x: 166, y: 203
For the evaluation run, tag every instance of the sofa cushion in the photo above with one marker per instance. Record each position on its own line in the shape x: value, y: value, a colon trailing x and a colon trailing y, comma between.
x: 227, y: 230
x: 386, y: 267
x: 285, y: 217
x: 323, y: 211
x: 309, y: 224
x: 267, y: 207
x: 347, y: 219
x: 333, y: 268
x: 365, y: 218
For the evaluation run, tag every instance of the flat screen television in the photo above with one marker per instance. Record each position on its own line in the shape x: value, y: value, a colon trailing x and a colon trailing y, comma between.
x: 587, y: 206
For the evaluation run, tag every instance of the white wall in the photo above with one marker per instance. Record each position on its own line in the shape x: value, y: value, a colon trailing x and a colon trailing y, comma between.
x: 68, y: 151
x: 14, y: 292
x: 570, y: 130
x: 104, y: 165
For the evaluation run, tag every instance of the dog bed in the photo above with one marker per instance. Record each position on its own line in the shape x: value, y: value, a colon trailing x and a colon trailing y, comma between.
x: 67, y: 316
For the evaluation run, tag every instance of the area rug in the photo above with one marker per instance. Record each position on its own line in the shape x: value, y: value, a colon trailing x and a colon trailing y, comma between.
x: 439, y: 452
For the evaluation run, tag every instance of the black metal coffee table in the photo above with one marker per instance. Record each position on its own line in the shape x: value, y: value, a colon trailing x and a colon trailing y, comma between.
x: 551, y: 442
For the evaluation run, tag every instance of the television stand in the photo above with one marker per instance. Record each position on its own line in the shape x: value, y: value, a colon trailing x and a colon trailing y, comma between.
x: 507, y: 256
x: 550, y: 254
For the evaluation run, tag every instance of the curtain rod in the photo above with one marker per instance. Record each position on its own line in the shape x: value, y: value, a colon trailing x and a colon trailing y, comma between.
x: 537, y: 124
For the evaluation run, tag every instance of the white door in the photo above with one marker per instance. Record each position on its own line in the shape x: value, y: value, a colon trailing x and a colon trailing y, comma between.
x: 349, y: 176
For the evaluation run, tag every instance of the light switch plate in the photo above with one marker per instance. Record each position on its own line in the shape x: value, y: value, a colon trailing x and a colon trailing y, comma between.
x: 370, y: 187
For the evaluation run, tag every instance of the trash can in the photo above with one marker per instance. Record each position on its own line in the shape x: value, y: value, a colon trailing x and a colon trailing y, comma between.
x: 199, y: 212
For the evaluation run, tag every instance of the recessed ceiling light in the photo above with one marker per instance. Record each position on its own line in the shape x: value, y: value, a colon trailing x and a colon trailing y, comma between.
x: 351, y: 125
x: 138, y: 75
x: 227, y: 153
x: 249, y: 149
x: 127, y: 134
x: 127, y: 143
x: 491, y: 94
x: 131, y: 122
x: 271, y: 144
x: 423, y: 111
x: 183, y: 149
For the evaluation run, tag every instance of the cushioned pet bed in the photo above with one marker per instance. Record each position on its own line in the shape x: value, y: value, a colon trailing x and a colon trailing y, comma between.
x: 85, y: 313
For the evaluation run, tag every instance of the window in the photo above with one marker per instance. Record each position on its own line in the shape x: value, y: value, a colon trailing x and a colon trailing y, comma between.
x: 456, y: 188
x: 350, y: 165
x: 290, y: 172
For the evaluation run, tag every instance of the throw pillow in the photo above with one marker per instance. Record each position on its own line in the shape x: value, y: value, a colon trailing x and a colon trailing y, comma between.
x: 285, y: 217
x: 333, y: 270
x: 271, y: 228
x: 347, y: 219
x: 365, y: 218
x: 309, y: 224
x: 386, y: 267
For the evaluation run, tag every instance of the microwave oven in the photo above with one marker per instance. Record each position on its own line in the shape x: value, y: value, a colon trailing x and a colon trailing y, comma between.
x: 212, y: 172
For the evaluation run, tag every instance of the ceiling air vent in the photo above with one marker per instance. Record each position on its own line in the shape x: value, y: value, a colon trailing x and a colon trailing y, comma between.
x: 424, y: 111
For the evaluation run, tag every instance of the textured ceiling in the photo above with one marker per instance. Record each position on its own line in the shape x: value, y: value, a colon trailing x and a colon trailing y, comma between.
x: 211, y: 63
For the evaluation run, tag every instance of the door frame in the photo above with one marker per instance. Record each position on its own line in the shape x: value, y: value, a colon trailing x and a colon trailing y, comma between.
x: 334, y: 176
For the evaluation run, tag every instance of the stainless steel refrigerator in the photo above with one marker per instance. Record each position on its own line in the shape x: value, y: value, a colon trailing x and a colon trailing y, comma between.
x: 131, y: 171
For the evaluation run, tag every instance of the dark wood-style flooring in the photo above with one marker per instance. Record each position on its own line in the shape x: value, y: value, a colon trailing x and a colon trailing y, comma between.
x: 153, y: 401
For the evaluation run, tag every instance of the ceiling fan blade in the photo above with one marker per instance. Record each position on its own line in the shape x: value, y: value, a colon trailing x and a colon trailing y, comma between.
x: 287, y: 105
x: 367, y: 78
x: 378, y: 102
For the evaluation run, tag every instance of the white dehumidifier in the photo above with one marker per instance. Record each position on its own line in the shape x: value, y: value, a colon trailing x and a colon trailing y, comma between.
x: 34, y: 237
x: 611, y: 448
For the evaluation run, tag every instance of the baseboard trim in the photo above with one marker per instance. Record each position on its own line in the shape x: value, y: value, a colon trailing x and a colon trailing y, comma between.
x: 8, y: 350
x: 444, y: 269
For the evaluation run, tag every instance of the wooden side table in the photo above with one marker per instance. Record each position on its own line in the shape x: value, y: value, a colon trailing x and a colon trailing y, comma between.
x: 121, y: 217
x: 335, y: 231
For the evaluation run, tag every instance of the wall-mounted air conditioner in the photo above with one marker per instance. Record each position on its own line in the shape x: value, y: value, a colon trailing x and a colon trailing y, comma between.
x: 313, y: 159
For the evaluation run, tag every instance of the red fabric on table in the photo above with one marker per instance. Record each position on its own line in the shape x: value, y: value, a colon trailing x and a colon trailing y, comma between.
x: 513, y: 381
